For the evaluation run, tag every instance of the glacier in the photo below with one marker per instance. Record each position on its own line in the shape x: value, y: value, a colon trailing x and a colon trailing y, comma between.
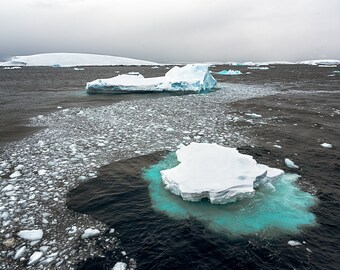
x: 220, y: 174
x: 73, y: 60
x: 192, y: 78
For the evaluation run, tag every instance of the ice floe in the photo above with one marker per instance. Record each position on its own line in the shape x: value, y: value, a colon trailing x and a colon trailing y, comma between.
x: 72, y: 59
x: 290, y: 164
x: 31, y: 235
x: 218, y: 173
x: 326, y: 145
x: 194, y: 78
x: 11, y: 68
x: 120, y: 266
x: 90, y: 233
x: 258, y: 68
x: 294, y: 243
x: 229, y: 72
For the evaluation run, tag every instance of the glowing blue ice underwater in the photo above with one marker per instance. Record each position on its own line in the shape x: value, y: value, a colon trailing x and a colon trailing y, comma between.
x: 285, y: 210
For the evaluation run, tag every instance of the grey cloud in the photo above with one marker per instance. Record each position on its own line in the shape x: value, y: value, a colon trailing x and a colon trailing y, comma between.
x: 174, y: 31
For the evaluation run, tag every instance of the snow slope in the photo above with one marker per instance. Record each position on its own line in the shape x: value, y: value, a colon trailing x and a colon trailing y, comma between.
x: 73, y: 59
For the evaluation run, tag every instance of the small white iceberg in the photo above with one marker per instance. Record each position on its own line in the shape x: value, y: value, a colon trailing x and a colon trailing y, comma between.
x: 229, y: 72
x: 218, y: 173
x: 258, y: 68
x: 12, y: 68
x: 192, y: 78
x: 294, y: 243
x: 291, y: 164
x: 78, y: 69
x: 31, y: 235
x: 253, y: 115
x: 326, y: 145
x: 90, y: 233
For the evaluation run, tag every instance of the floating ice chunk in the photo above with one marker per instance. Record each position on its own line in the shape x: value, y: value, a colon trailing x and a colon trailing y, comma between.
x: 253, y: 115
x: 215, y: 172
x: 277, y: 146
x: 31, y: 235
x: 79, y: 69
x: 19, y: 167
x: 19, y: 252
x: 229, y: 72
x: 258, y: 68
x: 326, y: 145
x: 120, y: 266
x: 42, y: 172
x: 12, y: 68
x: 8, y: 188
x: 294, y: 243
x: 193, y: 78
x: 35, y: 257
x: 291, y: 164
x: 90, y: 233
x: 15, y: 174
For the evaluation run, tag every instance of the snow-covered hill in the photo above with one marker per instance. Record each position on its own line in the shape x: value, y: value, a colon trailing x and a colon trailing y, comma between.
x: 72, y: 60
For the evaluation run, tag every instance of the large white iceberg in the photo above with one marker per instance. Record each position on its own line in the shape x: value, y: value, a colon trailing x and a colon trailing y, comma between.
x: 218, y: 173
x: 193, y: 77
x: 72, y: 60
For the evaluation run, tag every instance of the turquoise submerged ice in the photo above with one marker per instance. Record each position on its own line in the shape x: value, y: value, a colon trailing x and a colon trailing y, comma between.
x: 284, y: 210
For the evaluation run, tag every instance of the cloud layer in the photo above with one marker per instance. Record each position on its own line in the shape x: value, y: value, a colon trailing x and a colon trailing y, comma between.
x: 174, y: 31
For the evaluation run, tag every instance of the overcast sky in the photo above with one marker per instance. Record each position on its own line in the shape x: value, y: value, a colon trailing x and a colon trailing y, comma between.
x: 174, y: 31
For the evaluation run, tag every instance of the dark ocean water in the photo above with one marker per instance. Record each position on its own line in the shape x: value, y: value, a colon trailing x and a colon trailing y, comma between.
x: 306, y: 115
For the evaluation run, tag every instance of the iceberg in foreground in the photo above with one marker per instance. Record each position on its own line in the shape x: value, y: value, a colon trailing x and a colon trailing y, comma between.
x: 72, y: 60
x: 218, y: 173
x: 193, y: 78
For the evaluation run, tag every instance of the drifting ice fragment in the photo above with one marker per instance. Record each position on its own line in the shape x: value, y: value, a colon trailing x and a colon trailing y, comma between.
x: 294, y: 243
x: 35, y: 257
x: 291, y: 164
x: 253, y: 115
x: 31, y: 235
x: 120, y: 266
x: 229, y: 72
x: 215, y: 172
x: 326, y: 145
x: 193, y: 78
x: 90, y: 233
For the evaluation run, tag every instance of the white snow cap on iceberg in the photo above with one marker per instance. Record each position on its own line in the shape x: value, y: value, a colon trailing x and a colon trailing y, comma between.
x: 218, y: 173
x: 72, y: 60
x: 193, y: 77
